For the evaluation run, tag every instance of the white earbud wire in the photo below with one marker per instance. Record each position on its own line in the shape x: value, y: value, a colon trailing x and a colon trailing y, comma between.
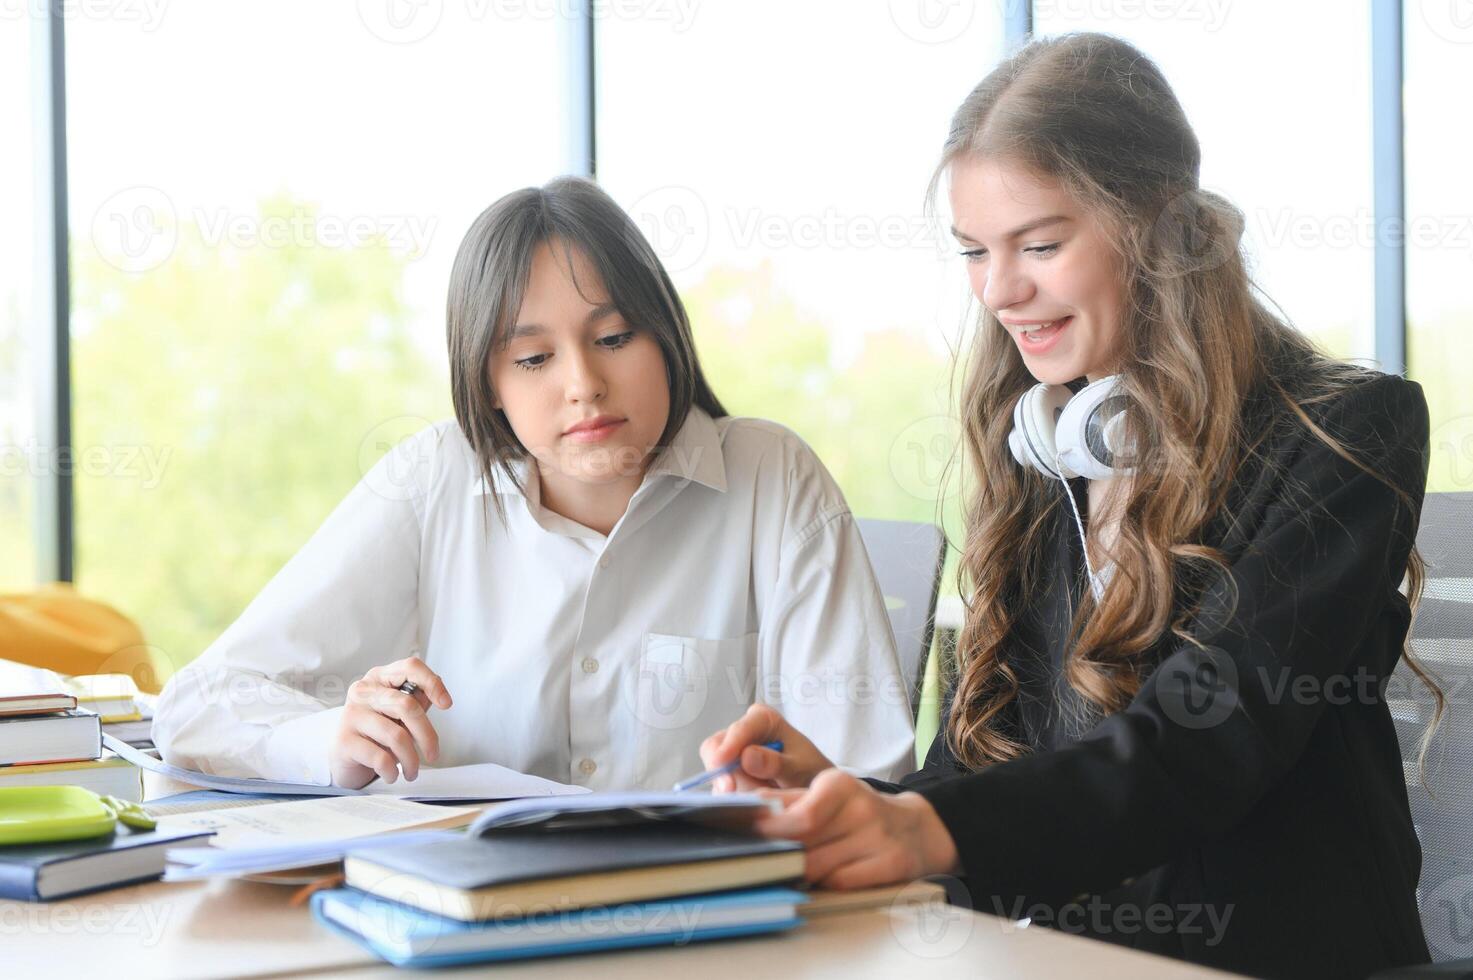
x: 1095, y: 585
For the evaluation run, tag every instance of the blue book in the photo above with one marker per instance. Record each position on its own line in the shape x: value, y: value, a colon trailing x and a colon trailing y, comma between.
x: 41, y: 872
x: 407, y: 936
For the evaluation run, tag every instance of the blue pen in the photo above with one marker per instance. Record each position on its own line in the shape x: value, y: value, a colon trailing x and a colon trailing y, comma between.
x: 711, y: 774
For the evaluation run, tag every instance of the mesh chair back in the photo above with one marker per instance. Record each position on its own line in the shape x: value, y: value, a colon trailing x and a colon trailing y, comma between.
x: 907, y: 559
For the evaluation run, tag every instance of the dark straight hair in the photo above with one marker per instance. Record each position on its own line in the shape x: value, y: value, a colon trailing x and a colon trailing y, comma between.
x: 489, y: 279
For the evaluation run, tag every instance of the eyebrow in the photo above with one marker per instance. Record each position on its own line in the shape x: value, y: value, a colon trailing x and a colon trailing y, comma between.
x: 1034, y: 225
x: 533, y: 329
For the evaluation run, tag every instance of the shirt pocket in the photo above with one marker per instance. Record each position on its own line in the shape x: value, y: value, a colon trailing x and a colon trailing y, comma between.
x: 687, y: 688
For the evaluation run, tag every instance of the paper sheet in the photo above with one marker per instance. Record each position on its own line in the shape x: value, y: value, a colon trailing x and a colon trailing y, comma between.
x: 483, y: 781
x: 194, y: 863
x: 304, y: 821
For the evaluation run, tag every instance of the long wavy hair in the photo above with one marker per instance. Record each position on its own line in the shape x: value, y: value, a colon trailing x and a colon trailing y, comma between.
x: 1093, y: 113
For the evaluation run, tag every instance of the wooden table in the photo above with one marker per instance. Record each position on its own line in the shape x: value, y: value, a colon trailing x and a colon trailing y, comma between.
x: 248, y: 929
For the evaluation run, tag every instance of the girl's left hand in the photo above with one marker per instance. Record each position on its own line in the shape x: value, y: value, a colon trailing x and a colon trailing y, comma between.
x: 858, y: 837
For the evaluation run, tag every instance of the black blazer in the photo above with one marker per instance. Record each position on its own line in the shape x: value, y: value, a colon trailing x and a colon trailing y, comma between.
x: 1247, y: 809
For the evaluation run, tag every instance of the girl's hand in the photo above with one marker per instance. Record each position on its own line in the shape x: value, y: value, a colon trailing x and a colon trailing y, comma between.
x: 383, y: 728
x: 797, y: 764
x: 857, y: 837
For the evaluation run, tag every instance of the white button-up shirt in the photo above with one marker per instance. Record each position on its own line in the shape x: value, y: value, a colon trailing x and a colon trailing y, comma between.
x: 737, y: 575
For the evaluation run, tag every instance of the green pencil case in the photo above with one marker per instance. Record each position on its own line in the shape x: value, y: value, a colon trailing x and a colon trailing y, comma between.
x: 36, y: 814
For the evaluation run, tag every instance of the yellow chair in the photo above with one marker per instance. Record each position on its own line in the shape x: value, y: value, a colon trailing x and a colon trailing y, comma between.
x: 55, y: 628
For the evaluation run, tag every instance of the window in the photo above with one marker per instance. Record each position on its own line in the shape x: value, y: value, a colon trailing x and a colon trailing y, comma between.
x: 265, y: 202
x: 22, y: 461
x: 1439, y: 235
x: 781, y: 175
x: 1280, y: 98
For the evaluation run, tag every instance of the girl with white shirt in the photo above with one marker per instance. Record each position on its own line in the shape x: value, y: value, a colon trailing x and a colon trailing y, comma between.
x: 599, y: 565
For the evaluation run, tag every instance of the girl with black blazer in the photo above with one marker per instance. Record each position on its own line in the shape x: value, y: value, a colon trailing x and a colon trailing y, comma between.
x: 1186, y: 542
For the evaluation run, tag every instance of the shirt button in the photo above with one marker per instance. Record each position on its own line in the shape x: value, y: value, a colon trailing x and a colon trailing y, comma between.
x: 587, y: 767
x: 590, y: 666
x: 603, y: 562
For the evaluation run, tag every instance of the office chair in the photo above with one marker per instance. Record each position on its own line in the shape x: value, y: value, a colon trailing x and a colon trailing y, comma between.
x: 907, y: 559
x: 1442, y: 639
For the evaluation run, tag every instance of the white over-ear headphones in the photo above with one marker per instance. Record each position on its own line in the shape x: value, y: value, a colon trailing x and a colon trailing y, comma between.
x: 1062, y: 434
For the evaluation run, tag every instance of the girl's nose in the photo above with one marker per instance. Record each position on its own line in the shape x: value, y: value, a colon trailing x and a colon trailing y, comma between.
x: 1004, y: 287
x: 584, y: 383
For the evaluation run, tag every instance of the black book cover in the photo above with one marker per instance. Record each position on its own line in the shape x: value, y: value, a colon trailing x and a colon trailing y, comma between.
x: 506, y: 857
x: 21, y: 864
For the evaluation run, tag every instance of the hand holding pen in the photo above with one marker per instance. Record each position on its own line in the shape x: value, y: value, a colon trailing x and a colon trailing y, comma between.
x: 711, y: 775
x: 742, y: 753
x: 384, y: 725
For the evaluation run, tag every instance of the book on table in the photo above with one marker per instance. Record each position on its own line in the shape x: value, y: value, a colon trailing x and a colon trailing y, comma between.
x: 527, y: 857
x: 411, y: 937
x: 41, y: 872
x: 516, y: 873
x: 59, y: 736
x: 137, y: 734
x: 108, y: 776
x: 115, y: 697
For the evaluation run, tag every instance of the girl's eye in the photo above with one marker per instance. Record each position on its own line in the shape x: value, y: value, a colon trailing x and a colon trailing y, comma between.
x: 611, y: 342
x: 978, y: 254
x: 616, y: 340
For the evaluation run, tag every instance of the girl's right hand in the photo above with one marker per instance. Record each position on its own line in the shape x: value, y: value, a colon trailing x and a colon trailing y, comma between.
x: 383, y: 728
x: 795, y: 766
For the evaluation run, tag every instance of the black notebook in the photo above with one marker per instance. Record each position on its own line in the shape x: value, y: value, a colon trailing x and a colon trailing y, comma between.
x: 512, y: 874
x: 40, y: 872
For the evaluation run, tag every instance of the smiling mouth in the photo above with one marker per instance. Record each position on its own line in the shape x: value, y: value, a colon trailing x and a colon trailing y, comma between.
x: 1044, y: 331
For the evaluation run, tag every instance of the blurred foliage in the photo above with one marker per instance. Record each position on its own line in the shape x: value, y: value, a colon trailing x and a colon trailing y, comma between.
x: 254, y: 375
x: 873, y: 422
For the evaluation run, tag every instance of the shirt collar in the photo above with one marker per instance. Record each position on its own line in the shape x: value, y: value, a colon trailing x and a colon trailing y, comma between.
x: 694, y: 454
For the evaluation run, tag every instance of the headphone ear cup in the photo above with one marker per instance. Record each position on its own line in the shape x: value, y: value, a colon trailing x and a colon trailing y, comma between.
x: 1015, y: 444
x: 1114, y: 437
x: 1086, y: 427
x: 1035, y: 415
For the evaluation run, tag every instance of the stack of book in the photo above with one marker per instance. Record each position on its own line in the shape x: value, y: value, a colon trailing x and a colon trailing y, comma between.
x: 48, y: 739
x: 546, y: 877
